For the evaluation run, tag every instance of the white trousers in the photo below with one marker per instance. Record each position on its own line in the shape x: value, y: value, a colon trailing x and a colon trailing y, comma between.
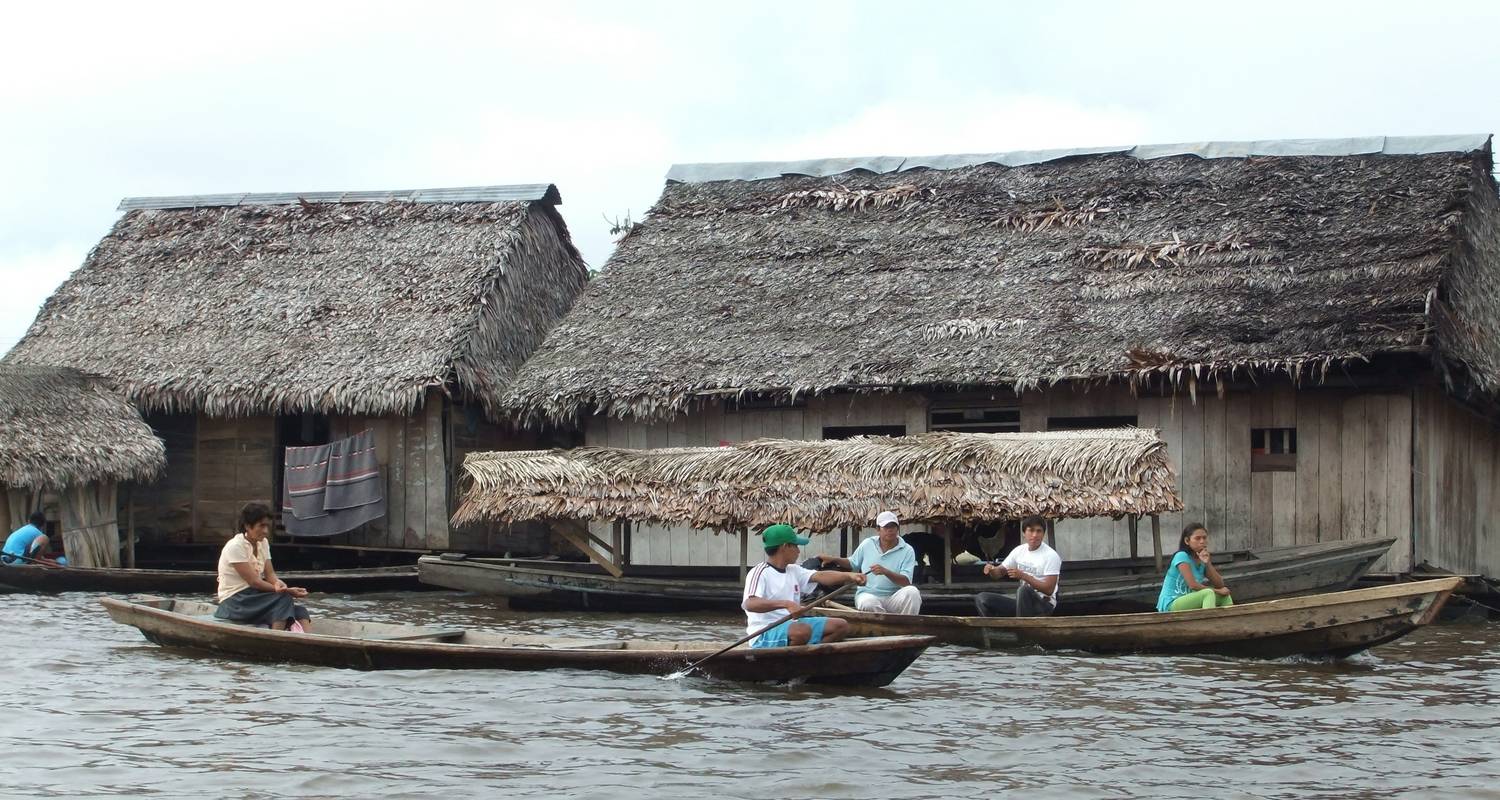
x: 906, y: 600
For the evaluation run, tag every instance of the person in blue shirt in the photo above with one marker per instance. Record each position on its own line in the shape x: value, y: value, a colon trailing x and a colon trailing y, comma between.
x: 1191, y: 581
x: 28, y: 544
x: 890, y: 563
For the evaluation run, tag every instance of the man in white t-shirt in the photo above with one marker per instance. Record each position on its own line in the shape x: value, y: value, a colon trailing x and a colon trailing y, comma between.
x: 775, y: 588
x: 1036, y: 566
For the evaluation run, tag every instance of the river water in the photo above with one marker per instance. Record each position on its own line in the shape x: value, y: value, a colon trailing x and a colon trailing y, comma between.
x: 93, y: 710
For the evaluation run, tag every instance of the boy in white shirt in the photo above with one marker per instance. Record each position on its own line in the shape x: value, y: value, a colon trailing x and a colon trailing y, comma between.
x: 775, y: 587
x: 1036, y: 565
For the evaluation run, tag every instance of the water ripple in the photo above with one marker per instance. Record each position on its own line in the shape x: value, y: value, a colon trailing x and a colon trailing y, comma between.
x: 113, y: 716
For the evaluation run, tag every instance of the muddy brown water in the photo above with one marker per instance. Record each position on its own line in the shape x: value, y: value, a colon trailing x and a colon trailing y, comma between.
x: 93, y: 710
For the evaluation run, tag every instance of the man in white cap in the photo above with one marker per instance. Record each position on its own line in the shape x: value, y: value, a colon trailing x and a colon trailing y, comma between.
x: 890, y: 562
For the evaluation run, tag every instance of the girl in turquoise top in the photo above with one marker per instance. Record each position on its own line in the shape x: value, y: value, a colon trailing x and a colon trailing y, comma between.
x: 1186, y: 585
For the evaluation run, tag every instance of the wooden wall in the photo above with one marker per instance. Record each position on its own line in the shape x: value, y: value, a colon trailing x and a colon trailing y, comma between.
x: 653, y: 544
x: 216, y: 465
x: 472, y: 432
x: 413, y: 454
x: 234, y: 463
x: 1353, y: 476
x: 1457, y: 487
x: 164, y: 507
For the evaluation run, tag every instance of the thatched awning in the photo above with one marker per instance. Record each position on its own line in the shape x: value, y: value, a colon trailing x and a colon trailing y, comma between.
x: 60, y: 428
x: 821, y: 485
x: 1026, y: 270
x: 355, y: 303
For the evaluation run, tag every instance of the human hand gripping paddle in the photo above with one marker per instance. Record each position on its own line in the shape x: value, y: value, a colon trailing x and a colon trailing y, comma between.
x: 788, y: 618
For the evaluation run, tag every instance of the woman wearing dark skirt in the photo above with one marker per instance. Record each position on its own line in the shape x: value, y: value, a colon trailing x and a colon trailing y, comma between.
x: 249, y: 590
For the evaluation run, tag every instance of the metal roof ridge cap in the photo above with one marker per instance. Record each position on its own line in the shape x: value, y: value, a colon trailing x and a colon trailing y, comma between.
x: 517, y: 192
x: 706, y: 172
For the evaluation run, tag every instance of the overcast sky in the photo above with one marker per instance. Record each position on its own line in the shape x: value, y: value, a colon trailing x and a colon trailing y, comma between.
x: 105, y: 101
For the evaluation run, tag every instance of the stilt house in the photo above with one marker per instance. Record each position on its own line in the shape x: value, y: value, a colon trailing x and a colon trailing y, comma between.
x: 1313, y: 325
x: 243, y: 324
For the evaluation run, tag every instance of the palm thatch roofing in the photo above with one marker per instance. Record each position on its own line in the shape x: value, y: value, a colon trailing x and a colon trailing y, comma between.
x: 60, y: 428
x: 342, y: 302
x: 1189, y: 263
x: 821, y: 485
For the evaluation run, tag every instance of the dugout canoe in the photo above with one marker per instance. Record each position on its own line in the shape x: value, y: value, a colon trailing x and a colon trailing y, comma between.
x: 365, y: 645
x: 1105, y: 586
x: 33, y: 578
x: 1333, y: 624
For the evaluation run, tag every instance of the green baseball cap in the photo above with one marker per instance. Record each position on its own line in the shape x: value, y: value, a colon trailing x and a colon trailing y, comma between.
x: 777, y: 535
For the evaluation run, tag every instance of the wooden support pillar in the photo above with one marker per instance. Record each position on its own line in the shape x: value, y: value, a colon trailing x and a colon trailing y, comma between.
x: 744, y: 552
x: 617, y: 540
x: 130, y: 527
x: 1156, y: 540
x: 844, y: 541
x: 625, y: 552
x: 1051, y: 535
x: 947, y: 552
x: 1133, y: 522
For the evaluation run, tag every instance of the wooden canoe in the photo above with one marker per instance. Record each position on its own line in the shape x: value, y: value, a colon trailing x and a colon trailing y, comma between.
x: 30, y: 578
x: 1113, y: 585
x: 364, y: 645
x: 1334, y: 624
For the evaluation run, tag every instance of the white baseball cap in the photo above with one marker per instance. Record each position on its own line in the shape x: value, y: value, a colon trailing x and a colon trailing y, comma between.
x: 887, y: 518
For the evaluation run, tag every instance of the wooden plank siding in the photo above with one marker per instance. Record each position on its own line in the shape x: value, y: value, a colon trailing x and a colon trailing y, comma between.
x: 235, y: 464
x: 216, y: 465
x: 1457, y: 522
x: 1352, y: 476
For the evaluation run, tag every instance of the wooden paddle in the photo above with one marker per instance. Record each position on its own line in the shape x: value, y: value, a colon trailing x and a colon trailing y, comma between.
x: 794, y: 615
x: 47, y: 564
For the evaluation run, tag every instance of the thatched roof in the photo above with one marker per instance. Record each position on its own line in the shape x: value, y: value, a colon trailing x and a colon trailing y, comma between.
x: 820, y: 485
x: 355, y: 303
x: 59, y: 427
x: 1024, y: 270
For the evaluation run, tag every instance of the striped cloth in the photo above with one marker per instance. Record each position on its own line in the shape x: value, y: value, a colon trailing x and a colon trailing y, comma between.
x: 332, y: 488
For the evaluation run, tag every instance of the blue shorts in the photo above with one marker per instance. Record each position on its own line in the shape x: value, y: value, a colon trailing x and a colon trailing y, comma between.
x: 776, y: 637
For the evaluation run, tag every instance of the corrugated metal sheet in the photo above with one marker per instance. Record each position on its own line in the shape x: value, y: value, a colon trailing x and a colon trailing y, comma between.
x: 822, y: 168
x: 528, y: 192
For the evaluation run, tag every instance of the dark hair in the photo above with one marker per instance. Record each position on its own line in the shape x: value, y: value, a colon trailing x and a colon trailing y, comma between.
x: 1182, y: 545
x: 771, y: 551
x: 1033, y: 521
x: 37, y: 518
x: 253, y: 512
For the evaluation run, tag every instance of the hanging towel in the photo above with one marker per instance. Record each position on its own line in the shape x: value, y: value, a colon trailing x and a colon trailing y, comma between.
x: 332, y: 488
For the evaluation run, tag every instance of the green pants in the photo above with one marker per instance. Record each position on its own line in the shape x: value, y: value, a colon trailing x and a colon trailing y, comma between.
x: 1203, y: 598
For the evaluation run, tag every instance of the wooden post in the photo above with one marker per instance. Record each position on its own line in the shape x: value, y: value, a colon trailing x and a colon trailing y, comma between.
x: 1051, y: 535
x: 744, y: 552
x: 617, y: 540
x: 1133, y: 521
x: 844, y: 541
x: 130, y: 527
x: 947, y: 553
x: 1156, y: 540
x: 625, y: 553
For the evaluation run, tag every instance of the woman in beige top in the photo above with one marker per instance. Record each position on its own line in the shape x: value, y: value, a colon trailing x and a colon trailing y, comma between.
x: 249, y: 590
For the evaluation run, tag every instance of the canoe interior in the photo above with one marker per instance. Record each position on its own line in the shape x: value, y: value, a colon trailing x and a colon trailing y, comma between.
x: 189, y: 624
x: 327, y: 626
x: 1335, y: 624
